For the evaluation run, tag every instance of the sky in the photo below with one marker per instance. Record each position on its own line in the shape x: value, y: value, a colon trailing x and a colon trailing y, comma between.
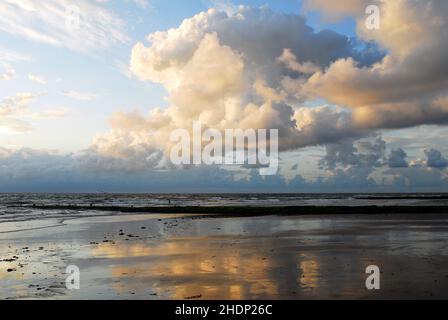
x: 90, y: 91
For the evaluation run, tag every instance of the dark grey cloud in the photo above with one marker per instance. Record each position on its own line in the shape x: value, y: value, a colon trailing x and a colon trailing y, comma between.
x: 367, y: 153
x: 397, y: 159
x: 435, y: 159
x: 350, y: 170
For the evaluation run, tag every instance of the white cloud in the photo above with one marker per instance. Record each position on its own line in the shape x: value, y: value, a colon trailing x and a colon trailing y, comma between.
x: 16, y: 114
x: 8, y: 55
x: 55, y: 22
x: 55, y: 113
x: 38, y: 79
x: 142, y: 3
x: 336, y: 10
x: 12, y: 111
x: 17, y: 104
x: 8, y: 72
x: 290, y: 60
x: 83, y: 96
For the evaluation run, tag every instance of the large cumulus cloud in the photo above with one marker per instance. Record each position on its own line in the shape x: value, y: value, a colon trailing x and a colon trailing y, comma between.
x: 236, y: 70
x: 406, y: 88
x: 255, y: 68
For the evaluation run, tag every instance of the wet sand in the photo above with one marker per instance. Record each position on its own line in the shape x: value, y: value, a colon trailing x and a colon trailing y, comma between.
x: 157, y: 256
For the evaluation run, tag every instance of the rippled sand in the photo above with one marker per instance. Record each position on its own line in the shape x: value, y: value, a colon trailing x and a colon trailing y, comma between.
x: 179, y: 257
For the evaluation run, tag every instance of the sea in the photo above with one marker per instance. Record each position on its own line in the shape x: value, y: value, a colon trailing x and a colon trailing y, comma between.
x: 21, y: 206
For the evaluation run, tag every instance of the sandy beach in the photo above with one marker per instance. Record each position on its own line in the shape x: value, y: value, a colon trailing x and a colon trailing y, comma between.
x: 160, y: 256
